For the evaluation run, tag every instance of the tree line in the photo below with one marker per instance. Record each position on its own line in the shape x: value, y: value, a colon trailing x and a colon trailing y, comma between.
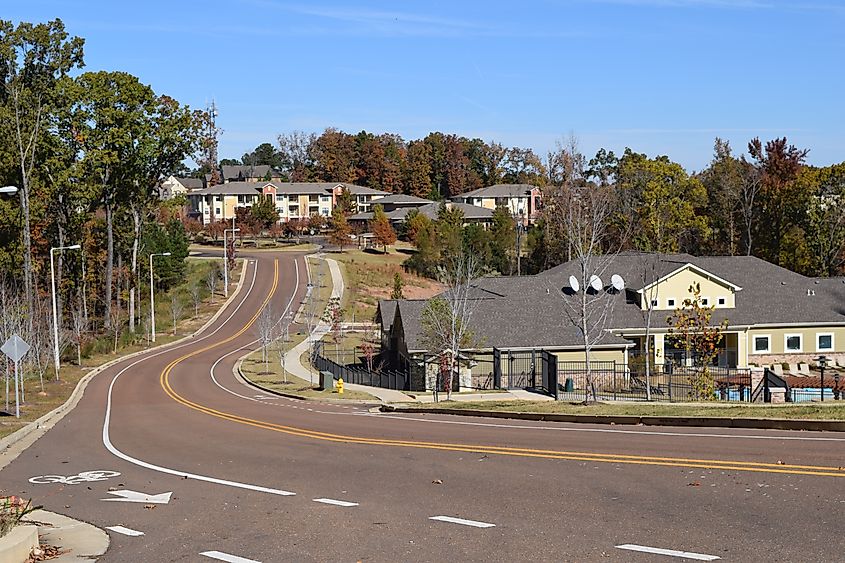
x: 87, y: 152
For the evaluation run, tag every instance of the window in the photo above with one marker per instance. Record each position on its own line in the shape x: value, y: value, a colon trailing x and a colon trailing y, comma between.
x: 216, y: 212
x: 280, y: 198
x: 762, y: 344
x: 792, y: 343
x: 705, y: 301
x: 824, y: 342
x: 722, y: 301
x: 670, y: 302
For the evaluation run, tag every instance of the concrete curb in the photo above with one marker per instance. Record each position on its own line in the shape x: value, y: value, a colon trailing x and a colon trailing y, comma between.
x: 711, y: 422
x: 81, y: 540
x: 47, y: 421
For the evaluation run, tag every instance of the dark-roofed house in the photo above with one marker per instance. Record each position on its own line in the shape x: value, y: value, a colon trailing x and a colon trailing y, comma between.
x: 773, y: 315
x: 250, y: 173
x: 174, y: 185
x: 520, y: 199
x: 472, y: 214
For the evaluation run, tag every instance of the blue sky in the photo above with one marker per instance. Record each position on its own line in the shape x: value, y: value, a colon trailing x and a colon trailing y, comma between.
x: 660, y: 76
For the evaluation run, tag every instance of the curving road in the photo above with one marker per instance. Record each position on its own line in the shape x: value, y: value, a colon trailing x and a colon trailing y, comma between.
x: 261, y: 478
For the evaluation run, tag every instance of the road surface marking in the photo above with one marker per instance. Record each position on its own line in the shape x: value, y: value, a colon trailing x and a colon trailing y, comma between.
x: 616, y: 431
x: 135, y: 496
x: 82, y: 477
x: 473, y: 523
x: 220, y: 556
x: 335, y: 502
x: 669, y: 552
x: 164, y: 381
x: 107, y: 439
x: 125, y: 531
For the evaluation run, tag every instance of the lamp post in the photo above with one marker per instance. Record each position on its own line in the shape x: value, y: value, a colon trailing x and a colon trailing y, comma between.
x: 822, y: 360
x: 226, y: 257
x: 152, y: 296
x: 9, y: 190
x: 55, y: 308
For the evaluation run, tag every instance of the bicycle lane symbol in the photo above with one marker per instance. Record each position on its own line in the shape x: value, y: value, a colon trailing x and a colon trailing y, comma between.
x: 82, y: 477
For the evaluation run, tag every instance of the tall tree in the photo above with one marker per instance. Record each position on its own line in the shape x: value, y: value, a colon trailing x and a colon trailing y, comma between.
x: 826, y: 218
x: 33, y: 57
x: 503, y: 241
x: 263, y: 154
x: 333, y: 154
x: 417, y: 172
x: 781, y: 197
x: 381, y: 228
x: 340, y: 231
x: 724, y: 180
x: 295, y: 155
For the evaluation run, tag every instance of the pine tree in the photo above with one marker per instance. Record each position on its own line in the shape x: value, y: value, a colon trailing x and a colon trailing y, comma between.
x: 398, y: 286
x: 340, y: 229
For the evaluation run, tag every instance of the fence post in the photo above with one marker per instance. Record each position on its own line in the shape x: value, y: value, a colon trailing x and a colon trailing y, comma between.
x: 670, y: 385
x: 614, y: 380
x: 497, y: 368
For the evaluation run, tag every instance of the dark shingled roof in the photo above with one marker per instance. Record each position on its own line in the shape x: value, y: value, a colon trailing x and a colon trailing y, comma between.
x: 232, y: 188
x: 191, y: 183
x: 531, y: 311
x: 248, y: 171
x: 500, y: 190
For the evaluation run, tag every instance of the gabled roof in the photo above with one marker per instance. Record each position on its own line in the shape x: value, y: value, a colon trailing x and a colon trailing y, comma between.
x: 700, y: 271
x: 232, y: 188
x: 234, y: 172
x: 404, y: 199
x: 191, y: 183
x: 322, y: 188
x: 499, y: 190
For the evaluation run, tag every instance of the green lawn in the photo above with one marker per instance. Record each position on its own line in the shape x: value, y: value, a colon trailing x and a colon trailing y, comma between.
x: 272, y: 377
x: 368, y: 276
x: 815, y: 411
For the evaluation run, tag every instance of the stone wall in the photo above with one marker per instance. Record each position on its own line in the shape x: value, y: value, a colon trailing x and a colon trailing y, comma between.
x: 768, y: 359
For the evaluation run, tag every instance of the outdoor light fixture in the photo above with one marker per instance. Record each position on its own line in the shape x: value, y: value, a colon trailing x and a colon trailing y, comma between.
x: 822, y: 360
x: 9, y: 190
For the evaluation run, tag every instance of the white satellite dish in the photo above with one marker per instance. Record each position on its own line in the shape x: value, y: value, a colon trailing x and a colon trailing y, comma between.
x: 595, y: 283
x: 617, y: 282
x: 573, y: 283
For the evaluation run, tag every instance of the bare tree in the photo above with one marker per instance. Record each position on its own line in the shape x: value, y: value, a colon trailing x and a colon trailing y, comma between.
x: 447, y: 319
x: 177, y: 307
x: 650, y: 278
x: 584, y: 213
x: 211, y: 282
x: 264, y: 327
x: 751, y: 186
x: 79, y: 329
x: 196, y: 298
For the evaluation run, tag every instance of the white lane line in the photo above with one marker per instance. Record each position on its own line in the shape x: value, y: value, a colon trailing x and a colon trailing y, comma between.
x: 125, y: 531
x: 616, y: 431
x: 335, y: 502
x: 220, y: 556
x: 669, y: 552
x: 111, y: 448
x: 462, y: 521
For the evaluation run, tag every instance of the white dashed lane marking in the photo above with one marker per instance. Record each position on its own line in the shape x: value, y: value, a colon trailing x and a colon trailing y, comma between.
x: 220, y: 556
x: 125, y: 531
x: 669, y: 552
x: 463, y: 522
x: 335, y: 502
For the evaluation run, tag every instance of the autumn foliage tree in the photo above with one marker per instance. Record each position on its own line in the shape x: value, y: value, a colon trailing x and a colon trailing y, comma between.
x: 381, y: 228
x: 691, y: 329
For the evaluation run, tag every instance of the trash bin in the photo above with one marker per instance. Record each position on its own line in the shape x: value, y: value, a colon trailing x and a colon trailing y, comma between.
x: 569, y: 385
x: 326, y: 380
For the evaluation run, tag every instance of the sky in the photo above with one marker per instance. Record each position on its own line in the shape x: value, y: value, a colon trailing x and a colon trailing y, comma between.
x: 659, y: 76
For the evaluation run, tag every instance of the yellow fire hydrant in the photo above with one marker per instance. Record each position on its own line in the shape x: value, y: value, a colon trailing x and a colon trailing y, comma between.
x: 340, y: 386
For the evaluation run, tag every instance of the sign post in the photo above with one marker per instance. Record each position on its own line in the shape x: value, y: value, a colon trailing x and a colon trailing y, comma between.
x: 15, y: 348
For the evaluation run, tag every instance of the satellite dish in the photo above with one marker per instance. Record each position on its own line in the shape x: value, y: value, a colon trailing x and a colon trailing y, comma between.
x: 573, y: 283
x: 595, y: 283
x: 617, y: 282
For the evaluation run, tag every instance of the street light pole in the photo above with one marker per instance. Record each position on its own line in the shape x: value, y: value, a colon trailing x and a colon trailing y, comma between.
x: 55, y: 308
x: 152, y: 296
x: 233, y: 230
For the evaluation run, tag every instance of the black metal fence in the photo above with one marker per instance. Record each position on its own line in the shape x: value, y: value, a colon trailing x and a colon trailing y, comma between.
x: 347, y: 365
x: 612, y: 381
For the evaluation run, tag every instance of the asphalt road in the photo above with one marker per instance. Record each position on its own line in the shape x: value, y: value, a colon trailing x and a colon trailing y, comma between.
x: 267, y: 479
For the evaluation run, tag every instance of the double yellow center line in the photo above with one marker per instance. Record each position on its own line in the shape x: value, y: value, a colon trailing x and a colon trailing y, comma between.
x: 725, y: 465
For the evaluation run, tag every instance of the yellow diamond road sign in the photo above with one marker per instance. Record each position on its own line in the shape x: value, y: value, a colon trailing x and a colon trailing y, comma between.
x: 15, y: 347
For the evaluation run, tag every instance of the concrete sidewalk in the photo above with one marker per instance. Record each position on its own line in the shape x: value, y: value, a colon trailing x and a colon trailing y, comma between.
x: 79, y: 541
x: 292, y: 358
